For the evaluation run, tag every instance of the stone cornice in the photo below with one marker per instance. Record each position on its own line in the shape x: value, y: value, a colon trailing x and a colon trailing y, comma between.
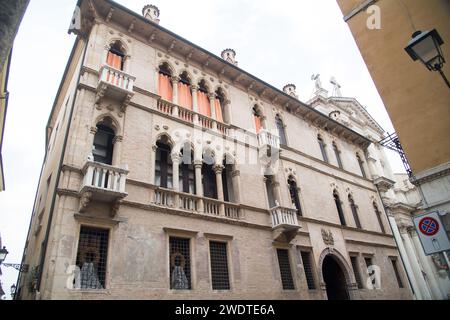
x: 431, y: 174
x: 370, y: 244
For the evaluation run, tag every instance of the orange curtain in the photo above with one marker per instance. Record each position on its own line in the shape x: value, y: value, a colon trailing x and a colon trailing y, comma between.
x: 204, y: 107
x: 184, y: 95
x: 258, y: 124
x: 165, y: 87
x: 217, y: 105
x: 114, y: 61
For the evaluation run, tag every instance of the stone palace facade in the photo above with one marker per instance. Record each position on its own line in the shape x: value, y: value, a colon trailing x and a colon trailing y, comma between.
x: 171, y: 173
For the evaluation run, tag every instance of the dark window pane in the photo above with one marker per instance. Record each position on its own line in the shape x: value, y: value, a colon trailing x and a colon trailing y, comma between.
x: 285, y: 269
x: 397, y: 274
x: 307, y: 267
x: 219, y: 266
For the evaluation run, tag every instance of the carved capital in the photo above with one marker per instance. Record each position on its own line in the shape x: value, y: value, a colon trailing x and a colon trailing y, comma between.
x: 194, y: 87
x: 175, y: 80
x: 118, y: 138
x: 236, y: 173
x: 176, y: 158
x: 93, y: 130
x: 198, y: 164
x: 84, y: 201
x: 218, y: 168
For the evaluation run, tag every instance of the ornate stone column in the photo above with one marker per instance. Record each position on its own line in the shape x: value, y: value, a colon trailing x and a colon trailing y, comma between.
x: 212, y: 98
x: 126, y: 63
x: 425, y: 293
x: 175, y: 81
x: 236, y: 175
x: 152, y: 164
x: 198, y: 183
x: 218, y: 169
x: 405, y: 257
x: 117, y: 152
x: 277, y: 191
x: 433, y: 283
x: 194, y: 89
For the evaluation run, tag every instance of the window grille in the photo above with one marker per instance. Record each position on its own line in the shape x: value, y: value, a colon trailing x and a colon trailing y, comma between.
x: 308, y: 269
x: 219, y: 266
x: 285, y: 269
x: 180, y: 264
x: 397, y: 273
x: 92, y: 257
x: 354, y: 261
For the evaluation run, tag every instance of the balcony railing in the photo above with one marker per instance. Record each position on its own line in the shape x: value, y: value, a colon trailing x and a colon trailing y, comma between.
x: 284, y: 217
x: 116, y: 78
x: 192, y: 117
x: 265, y: 138
x: 193, y: 203
x: 104, y: 177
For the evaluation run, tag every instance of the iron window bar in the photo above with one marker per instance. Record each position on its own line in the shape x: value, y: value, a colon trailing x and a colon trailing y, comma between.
x: 392, y: 142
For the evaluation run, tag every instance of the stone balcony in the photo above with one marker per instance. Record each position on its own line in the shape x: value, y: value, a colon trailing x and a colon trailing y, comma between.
x: 115, y: 84
x: 266, y: 138
x: 102, y: 183
x: 284, y: 223
x: 192, y: 117
x: 167, y: 198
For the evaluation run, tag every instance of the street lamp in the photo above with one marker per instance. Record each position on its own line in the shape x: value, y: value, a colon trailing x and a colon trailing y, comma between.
x: 426, y: 46
x: 13, y: 291
x: 3, y: 254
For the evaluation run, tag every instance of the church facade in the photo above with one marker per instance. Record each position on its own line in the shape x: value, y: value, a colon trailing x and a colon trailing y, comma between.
x: 171, y: 173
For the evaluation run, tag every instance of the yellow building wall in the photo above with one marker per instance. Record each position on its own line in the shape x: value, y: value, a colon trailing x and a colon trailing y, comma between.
x: 417, y: 100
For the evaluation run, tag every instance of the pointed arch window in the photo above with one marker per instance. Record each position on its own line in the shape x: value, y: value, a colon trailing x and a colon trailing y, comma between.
x: 184, y: 91
x: 165, y: 87
x: 204, y: 106
x: 116, y: 56
x: 208, y: 175
x: 103, y: 143
x: 295, y: 198
x: 219, y: 105
x: 270, y: 191
x: 337, y: 152
x: 187, y: 170
x: 354, y: 209
x: 378, y: 214
x: 281, y: 131
x: 361, y: 165
x: 322, y: 148
x: 163, y: 164
x: 227, y: 179
x: 338, y: 203
x: 257, y: 118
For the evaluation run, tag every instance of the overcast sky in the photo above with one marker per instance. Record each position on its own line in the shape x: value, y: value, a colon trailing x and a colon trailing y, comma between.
x: 283, y: 41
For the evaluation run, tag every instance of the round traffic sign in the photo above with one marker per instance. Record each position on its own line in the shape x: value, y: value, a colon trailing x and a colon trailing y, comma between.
x: 429, y: 226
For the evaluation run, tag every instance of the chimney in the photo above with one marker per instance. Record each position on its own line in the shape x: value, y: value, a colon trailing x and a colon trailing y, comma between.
x: 229, y: 55
x: 290, y: 89
x: 151, y: 12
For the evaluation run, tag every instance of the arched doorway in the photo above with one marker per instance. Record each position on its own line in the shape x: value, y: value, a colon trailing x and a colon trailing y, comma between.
x: 334, y: 278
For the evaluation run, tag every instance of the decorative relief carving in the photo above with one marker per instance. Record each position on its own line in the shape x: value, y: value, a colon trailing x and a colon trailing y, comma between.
x: 327, y: 237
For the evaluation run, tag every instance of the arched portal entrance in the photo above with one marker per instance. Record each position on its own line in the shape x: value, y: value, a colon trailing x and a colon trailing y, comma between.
x: 334, y: 278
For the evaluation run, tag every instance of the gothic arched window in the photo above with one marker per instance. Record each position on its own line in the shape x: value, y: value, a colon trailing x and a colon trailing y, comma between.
x: 354, y: 211
x: 338, y: 203
x: 163, y: 164
x: 187, y: 170
x: 165, y: 87
x: 322, y: 148
x: 116, y: 56
x: 281, y: 132
x: 337, y: 152
x: 361, y: 165
x: 184, y: 91
x: 104, y: 142
x: 378, y: 214
x: 208, y: 175
x: 295, y: 199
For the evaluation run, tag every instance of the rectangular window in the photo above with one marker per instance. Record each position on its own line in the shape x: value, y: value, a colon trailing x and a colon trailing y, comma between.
x: 219, y: 265
x: 307, y: 267
x: 92, y: 257
x: 180, y: 264
x: 285, y: 269
x: 397, y: 273
x: 354, y: 261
